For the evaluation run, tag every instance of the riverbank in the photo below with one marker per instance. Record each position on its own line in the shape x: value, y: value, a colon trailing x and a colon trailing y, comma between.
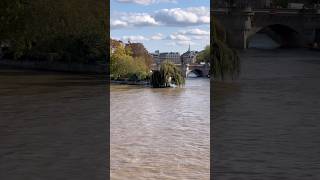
x: 72, y: 67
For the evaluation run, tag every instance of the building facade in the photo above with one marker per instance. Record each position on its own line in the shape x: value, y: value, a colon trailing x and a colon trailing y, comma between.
x: 155, y: 57
x: 189, y: 57
x: 159, y: 58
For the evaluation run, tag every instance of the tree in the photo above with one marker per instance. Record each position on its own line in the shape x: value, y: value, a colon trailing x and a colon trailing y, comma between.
x: 139, y: 51
x: 281, y: 3
x: 168, y: 74
x: 73, y: 29
x: 224, y: 61
x: 204, y: 55
x: 124, y: 65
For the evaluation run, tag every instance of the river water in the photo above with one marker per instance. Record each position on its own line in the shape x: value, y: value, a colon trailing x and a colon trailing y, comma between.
x: 266, y: 123
x: 160, y: 133
x: 52, y: 125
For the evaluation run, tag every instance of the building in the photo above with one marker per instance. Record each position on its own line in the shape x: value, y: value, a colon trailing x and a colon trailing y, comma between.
x: 155, y: 57
x: 173, y: 57
x: 189, y: 57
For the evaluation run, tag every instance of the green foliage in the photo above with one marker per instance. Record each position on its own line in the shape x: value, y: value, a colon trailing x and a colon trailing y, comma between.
x: 137, y: 50
x: 168, y: 74
x: 124, y: 66
x: 73, y: 30
x: 281, y: 3
x: 204, y: 56
x: 157, y: 80
x: 224, y: 60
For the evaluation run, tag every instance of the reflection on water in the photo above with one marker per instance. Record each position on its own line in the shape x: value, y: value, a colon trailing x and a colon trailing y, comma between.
x: 266, y: 124
x: 52, y: 125
x: 160, y: 133
x: 262, y: 41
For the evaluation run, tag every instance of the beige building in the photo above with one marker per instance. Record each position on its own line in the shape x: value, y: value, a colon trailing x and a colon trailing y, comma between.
x: 189, y: 57
x: 173, y: 57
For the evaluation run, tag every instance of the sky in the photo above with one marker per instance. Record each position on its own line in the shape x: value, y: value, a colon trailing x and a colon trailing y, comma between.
x: 165, y: 25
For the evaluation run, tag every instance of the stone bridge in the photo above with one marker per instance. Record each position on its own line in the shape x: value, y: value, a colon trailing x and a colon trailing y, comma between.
x: 288, y: 27
x: 201, y: 70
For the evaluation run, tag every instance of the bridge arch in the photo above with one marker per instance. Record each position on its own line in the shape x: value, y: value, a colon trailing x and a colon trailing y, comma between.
x: 197, y: 72
x: 285, y: 35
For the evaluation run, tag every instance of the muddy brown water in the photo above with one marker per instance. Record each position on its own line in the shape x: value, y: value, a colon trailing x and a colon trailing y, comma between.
x: 52, y: 126
x: 266, y: 123
x: 161, y: 133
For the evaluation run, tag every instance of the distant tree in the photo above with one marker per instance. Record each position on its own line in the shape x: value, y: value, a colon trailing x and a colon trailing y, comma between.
x: 124, y: 65
x: 204, y: 55
x: 139, y: 51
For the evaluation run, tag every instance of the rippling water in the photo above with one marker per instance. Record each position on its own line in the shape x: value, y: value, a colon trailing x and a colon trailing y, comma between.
x: 266, y: 124
x: 52, y: 125
x: 160, y: 133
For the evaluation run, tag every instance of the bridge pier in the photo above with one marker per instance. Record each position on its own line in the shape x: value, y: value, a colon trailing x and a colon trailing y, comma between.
x: 237, y: 38
x: 238, y: 24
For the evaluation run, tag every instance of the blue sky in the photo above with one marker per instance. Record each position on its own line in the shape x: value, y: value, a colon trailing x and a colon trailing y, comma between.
x: 165, y: 25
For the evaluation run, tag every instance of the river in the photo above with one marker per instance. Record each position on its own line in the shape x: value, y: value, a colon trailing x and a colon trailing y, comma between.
x: 52, y: 125
x: 266, y: 123
x: 160, y: 133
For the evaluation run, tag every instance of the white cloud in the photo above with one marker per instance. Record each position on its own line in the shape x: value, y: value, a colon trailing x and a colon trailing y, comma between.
x: 188, y: 35
x: 185, y: 43
x: 136, y: 38
x: 118, y: 24
x: 142, y: 2
x: 183, y: 17
x: 158, y: 36
x: 180, y: 43
x: 200, y: 37
x: 146, y: 2
x: 178, y: 37
x: 196, y: 32
x: 167, y: 1
x: 167, y: 17
x: 132, y: 19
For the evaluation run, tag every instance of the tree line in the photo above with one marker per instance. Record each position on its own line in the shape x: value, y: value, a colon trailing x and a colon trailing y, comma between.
x: 73, y: 30
x: 129, y: 61
x: 132, y: 62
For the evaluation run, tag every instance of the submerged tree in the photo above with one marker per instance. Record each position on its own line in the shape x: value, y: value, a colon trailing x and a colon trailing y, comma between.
x: 224, y: 60
x: 168, y: 74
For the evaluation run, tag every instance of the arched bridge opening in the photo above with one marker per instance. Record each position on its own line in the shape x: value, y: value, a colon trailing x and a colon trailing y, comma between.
x: 195, y: 73
x: 275, y: 36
